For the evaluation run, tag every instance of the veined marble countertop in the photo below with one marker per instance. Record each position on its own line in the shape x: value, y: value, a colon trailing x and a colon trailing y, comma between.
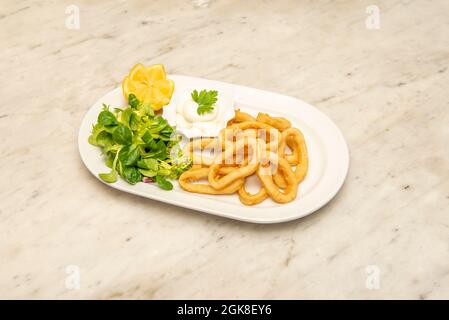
x: 385, y: 235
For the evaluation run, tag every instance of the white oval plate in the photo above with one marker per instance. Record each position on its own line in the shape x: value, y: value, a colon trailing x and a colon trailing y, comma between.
x: 328, y: 157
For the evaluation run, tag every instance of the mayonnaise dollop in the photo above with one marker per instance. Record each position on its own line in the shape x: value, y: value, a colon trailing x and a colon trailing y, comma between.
x: 182, y: 113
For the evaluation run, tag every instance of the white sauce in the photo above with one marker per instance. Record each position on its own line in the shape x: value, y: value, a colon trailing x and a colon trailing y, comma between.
x: 190, y: 123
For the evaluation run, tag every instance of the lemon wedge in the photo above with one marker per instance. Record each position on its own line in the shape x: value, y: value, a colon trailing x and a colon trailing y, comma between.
x: 149, y: 85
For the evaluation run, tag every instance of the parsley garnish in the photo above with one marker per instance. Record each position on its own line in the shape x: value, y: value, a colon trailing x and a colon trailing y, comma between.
x: 205, y: 99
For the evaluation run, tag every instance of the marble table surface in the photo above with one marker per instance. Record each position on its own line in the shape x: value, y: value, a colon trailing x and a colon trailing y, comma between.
x: 63, y: 234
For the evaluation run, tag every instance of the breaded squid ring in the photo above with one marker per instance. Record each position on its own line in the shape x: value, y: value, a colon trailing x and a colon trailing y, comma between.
x: 289, y: 193
x: 248, y: 165
x: 248, y: 168
x: 224, y: 181
x: 252, y: 125
x: 241, y: 151
x: 252, y: 199
x: 224, y: 133
x: 279, y: 180
x: 187, y: 177
x: 292, y: 138
x: 229, y: 134
x: 299, y: 143
x: 240, y: 117
x: 276, y: 122
x: 200, y: 144
x: 294, y: 157
x: 250, y: 135
x: 295, y: 140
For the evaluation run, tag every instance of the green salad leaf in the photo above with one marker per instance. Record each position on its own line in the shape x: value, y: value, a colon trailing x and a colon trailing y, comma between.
x: 112, y: 176
x: 132, y: 100
x: 132, y: 175
x: 129, y: 155
x: 122, y: 135
x: 136, y: 143
x: 106, y: 117
x: 164, y: 183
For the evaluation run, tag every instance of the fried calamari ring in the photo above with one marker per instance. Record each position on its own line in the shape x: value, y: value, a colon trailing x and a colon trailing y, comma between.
x: 270, y: 135
x: 290, y: 191
x: 201, y: 144
x: 294, y: 157
x: 240, y: 117
x: 293, y: 138
x: 246, y: 149
x: 252, y: 199
x: 276, y: 122
x: 261, y: 130
x: 279, y: 180
x: 187, y: 177
x: 252, y: 125
x: 230, y: 131
x: 248, y: 168
x: 298, y: 143
x: 230, y: 145
x: 224, y: 181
